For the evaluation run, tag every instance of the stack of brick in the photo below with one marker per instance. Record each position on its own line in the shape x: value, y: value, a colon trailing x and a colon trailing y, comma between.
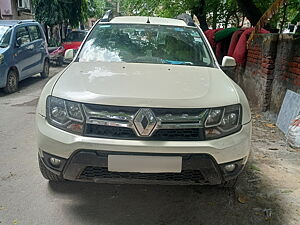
x: 259, y: 70
x: 272, y: 68
x: 254, y: 54
x: 287, y: 69
x: 293, y: 71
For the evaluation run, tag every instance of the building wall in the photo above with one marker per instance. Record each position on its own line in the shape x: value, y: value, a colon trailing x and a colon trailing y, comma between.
x: 287, y: 70
x: 5, y: 9
x: 16, y: 14
x: 272, y: 67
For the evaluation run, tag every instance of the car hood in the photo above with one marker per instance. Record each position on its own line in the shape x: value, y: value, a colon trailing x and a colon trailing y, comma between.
x: 145, y: 85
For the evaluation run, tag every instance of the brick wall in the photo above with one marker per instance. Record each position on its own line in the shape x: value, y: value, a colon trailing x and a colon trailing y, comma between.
x: 254, y: 54
x: 293, y: 71
x: 287, y: 69
x: 256, y: 76
x: 272, y: 67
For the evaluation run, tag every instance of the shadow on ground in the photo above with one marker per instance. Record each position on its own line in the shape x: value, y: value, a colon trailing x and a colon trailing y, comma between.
x: 25, y: 84
x: 162, y: 205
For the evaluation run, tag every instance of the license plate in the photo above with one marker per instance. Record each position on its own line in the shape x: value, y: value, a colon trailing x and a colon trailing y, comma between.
x: 144, y: 164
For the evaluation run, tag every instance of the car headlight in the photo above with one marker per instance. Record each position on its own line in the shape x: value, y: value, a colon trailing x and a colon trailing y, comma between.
x: 64, y: 114
x: 223, y: 121
x: 1, y: 59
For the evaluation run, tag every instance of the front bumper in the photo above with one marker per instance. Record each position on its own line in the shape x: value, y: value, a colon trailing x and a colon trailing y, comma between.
x: 92, y: 166
x: 85, y: 158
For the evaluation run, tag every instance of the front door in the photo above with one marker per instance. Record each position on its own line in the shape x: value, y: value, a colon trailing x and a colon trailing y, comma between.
x: 24, y: 52
x: 39, y: 48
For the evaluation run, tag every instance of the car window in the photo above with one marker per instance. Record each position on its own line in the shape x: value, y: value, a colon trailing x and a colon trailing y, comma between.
x: 138, y: 43
x: 76, y: 36
x: 22, y: 36
x: 34, y: 32
x: 5, y: 34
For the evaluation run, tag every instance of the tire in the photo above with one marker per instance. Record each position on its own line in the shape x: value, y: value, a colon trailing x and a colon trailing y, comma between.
x: 47, y: 174
x: 60, y: 61
x: 229, y: 184
x: 12, y: 82
x: 46, y: 67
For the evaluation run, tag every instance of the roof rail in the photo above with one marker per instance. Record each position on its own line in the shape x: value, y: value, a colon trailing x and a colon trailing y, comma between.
x: 187, y: 19
x: 26, y: 21
x: 107, y: 16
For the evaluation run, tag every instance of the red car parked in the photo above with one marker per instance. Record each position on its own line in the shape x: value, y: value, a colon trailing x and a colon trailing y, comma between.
x: 74, y: 39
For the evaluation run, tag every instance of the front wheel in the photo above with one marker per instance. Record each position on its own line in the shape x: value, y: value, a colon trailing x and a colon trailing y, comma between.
x: 46, y: 68
x: 60, y: 61
x: 12, y: 82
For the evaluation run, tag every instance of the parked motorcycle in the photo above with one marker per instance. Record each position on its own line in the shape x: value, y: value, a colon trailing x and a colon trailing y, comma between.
x: 56, y: 55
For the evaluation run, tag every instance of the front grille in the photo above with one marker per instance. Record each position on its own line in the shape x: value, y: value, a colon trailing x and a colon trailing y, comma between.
x: 102, y: 172
x: 109, y: 132
x: 179, y: 134
x: 159, y: 135
x: 120, y: 122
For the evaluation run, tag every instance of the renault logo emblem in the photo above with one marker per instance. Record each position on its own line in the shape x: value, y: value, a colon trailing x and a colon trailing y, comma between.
x: 144, y: 122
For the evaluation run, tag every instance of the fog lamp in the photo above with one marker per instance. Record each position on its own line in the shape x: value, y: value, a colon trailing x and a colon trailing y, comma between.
x: 55, y: 162
x: 230, y: 167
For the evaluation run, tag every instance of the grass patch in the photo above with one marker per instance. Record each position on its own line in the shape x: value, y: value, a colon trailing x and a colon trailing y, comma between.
x: 254, y: 167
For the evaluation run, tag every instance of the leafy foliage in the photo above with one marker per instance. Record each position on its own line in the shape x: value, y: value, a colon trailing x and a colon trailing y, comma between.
x: 210, y: 12
x: 50, y: 14
x: 216, y: 11
x: 293, y: 7
x: 55, y: 12
x: 96, y: 8
x: 75, y: 11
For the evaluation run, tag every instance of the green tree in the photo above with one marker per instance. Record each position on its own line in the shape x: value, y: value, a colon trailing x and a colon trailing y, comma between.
x: 49, y: 14
x: 58, y: 12
x: 254, y: 13
x: 74, y: 11
x: 223, y: 12
x: 167, y: 8
x: 211, y: 12
x: 251, y: 11
x: 96, y: 8
x: 208, y: 12
x: 53, y: 12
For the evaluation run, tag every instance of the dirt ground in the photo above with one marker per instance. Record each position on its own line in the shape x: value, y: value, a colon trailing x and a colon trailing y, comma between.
x: 272, y: 176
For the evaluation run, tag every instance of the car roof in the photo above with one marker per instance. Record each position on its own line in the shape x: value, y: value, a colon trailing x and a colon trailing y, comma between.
x: 148, y: 20
x: 15, y: 22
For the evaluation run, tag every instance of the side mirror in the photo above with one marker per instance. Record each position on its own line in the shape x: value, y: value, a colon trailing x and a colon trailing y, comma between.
x: 228, y: 61
x: 69, y: 54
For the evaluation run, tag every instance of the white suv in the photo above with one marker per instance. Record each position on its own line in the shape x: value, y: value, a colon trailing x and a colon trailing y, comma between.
x: 144, y: 101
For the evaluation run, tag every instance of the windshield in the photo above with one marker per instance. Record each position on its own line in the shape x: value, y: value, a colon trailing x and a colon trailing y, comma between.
x: 140, y: 43
x: 5, y: 33
x: 76, y: 36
